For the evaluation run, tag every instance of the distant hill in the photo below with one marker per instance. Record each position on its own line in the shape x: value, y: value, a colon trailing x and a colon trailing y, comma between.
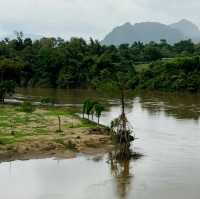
x: 152, y: 31
x: 189, y: 29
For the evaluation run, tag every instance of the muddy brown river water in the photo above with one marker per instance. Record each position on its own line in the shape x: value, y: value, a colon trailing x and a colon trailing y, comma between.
x: 168, y: 130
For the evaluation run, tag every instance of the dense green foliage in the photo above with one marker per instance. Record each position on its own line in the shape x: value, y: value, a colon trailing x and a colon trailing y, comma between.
x: 9, y: 75
x: 51, y: 62
x: 177, y: 74
x: 98, y: 110
x: 6, y: 88
x: 91, y: 107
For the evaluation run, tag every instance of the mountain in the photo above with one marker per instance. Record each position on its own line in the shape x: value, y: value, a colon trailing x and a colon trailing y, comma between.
x: 152, y: 31
x: 189, y: 29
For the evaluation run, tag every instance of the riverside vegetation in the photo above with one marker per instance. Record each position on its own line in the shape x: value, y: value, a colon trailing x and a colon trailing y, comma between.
x: 51, y: 62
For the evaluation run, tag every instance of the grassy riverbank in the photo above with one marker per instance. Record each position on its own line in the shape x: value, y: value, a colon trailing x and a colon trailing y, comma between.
x: 31, y: 135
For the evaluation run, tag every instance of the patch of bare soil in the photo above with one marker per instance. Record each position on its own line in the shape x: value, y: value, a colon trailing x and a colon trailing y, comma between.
x: 66, y: 144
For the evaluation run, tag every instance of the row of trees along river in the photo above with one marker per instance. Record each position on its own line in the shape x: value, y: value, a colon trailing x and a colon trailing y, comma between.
x: 53, y: 62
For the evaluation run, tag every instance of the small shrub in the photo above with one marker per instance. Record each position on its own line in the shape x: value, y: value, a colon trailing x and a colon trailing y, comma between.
x: 5, y: 141
x: 70, y: 145
x: 91, y: 145
x: 60, y: 141
x: 47, y: 100
x: 27, y: 107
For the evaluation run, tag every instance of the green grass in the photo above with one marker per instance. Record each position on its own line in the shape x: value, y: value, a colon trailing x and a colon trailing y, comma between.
x: 9, y: 139
x: 16, y: 126
x: 41, y: 131
x: 54, y: 111
x: 4, y: 124
x: 6, y: 140
x: 87, y: 123
x: 84, y: 123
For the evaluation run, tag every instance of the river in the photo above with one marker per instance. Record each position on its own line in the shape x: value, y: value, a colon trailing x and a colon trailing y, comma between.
x: 168, y: 130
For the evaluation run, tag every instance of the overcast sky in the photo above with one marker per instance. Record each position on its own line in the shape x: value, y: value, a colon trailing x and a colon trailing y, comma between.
x: 89, y: 18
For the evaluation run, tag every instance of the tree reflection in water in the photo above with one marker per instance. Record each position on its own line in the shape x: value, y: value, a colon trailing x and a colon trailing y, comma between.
x: 120, y: 169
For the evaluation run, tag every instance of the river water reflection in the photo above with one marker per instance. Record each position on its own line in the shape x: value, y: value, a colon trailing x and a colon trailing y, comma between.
x: 168, y: 130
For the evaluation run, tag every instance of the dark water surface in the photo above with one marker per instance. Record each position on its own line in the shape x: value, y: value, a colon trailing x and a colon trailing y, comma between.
x: 168, y: 130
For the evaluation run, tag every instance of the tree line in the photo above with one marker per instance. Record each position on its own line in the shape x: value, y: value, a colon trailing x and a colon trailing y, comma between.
x: 54, y: 62
x: 179, y: 74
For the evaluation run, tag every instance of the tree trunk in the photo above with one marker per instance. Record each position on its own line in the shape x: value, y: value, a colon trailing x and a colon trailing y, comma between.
x: 2, y: 95
x: 2, y: 76
x: 123, y: 111
x: 123, y: 118
x: 59, y: 123
x: 122, y: 101
x: 92, y: 116
x: 2, y: 99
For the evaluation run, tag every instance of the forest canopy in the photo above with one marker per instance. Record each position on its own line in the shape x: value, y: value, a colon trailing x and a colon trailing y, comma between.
x: 53, y: 62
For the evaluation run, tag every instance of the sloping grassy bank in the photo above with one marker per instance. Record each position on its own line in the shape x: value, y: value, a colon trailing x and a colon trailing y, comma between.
x: 31, y: 135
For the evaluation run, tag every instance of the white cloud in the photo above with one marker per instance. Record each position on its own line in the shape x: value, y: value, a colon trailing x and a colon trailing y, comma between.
x: 87, y: 18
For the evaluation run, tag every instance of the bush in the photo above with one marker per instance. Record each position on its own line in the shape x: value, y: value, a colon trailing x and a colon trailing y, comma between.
x: 27, y: 107
x: 70, y: 145
x: 47, y: 100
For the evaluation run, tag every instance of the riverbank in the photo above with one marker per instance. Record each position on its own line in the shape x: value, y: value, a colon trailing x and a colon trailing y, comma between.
x: 36, y: 135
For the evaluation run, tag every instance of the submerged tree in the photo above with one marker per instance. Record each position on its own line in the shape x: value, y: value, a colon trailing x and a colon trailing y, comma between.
x: 121, y: 128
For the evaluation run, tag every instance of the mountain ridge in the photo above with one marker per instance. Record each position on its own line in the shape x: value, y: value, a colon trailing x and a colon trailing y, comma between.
x: 152, y: 31
x: 188, y: 28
